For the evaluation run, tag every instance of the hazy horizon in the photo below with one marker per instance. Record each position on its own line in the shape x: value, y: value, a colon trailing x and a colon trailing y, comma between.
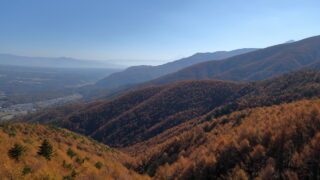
x: 150, y: 33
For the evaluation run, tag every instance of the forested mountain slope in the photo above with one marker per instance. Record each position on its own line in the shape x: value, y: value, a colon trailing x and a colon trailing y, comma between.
x: 145, y: 113
x: 277, y: 142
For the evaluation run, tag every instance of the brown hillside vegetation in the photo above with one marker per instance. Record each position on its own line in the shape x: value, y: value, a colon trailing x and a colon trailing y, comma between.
x: 208, y: 129
x: 139, y: 115
x: 277, y: 142
x: 74, y: 156
x: 143, y: 114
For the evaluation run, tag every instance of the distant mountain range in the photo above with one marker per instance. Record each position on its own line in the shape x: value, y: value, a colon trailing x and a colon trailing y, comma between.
x: 58, y: 62
x: 251, y: 66
x: 138, y: 74
x: 257, y: 65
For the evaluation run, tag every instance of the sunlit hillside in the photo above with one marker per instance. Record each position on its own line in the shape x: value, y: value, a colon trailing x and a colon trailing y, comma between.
x: 277, y: 142
x: 143, y: 114
x: 73, y: 157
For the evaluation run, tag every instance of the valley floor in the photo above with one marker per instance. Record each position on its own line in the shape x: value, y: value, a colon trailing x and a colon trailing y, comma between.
x: 10, y: 112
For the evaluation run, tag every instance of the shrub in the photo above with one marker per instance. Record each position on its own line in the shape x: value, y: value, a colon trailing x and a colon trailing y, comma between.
x: 80, y: 160
x: 71, y: 153
x: 98, y: 165
x: 72, y: 176
x: 67, y: 178
x: 26, y: 170
x: 66, y: 165
x: 74, y: 173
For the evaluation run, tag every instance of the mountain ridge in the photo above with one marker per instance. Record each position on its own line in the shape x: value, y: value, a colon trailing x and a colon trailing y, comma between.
x: 257, y: 65
x: 227, y: 69
x: 137, y: 74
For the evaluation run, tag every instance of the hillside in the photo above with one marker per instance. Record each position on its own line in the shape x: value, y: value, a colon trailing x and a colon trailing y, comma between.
x: 138, y: 74
x: 277, y: 142
x: 74, y: 156
x: 285, y: 88
x: 145, y: 113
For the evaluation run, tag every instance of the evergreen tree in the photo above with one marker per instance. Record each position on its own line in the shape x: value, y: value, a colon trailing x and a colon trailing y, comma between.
x: 16, y: 152
x: 46, y: 149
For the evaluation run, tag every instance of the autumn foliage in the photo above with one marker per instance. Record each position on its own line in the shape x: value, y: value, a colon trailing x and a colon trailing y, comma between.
x: 143, y: 114
x: 278, y: 142
x: 204, y: 129
x: 25, y: 151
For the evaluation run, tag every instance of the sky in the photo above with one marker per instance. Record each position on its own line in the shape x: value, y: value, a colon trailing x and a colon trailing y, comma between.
x: 151, y: 32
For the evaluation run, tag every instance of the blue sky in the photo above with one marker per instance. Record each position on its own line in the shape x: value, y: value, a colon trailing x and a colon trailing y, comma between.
x: 150, y: 31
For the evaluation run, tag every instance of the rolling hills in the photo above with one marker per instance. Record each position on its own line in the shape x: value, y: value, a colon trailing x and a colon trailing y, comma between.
x: 145, y: 113
x: 206, y: 129
x: 137, y: 74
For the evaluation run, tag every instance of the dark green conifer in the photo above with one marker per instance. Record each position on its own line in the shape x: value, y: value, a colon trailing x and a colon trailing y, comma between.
x: 46, y: 149
x: 16, y: 151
